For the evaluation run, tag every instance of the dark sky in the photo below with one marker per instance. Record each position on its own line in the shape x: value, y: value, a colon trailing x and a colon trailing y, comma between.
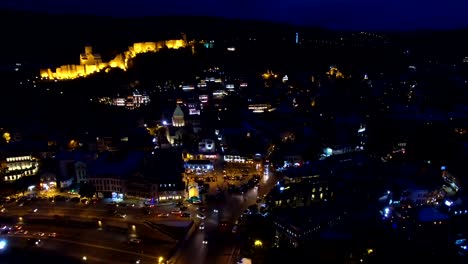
x: 337, y: 14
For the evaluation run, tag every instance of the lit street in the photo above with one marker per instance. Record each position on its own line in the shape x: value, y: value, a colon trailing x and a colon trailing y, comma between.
x: 222, y: 247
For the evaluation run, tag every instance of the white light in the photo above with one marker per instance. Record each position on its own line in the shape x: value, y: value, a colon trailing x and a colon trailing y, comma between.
x: 3, y: 244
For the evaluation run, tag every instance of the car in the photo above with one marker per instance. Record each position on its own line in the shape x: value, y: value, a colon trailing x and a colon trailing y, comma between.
x: 215, y: 211
x: 224, y: 226
x: 122, y: 215
x: 205, y: 241
x: 34, y: 242
x: 135, y: 241
x: 201, y: 216
x: 234, y: 229
x: 52, y: 235
x: 41, y: 234
x: 201, y: 226
x: 176, y: 212
x: 187, y: 215
x: 33, y: 210
x: 163, y: 215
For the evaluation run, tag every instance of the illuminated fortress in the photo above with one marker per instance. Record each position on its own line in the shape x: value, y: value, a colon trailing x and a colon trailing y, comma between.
x: 91, y: 63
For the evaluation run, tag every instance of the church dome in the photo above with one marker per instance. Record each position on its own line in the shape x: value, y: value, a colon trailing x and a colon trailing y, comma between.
x: 178, y: 117
x: 178, y: 112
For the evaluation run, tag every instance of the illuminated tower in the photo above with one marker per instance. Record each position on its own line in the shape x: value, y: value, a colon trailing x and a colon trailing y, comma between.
x: 178, y: 117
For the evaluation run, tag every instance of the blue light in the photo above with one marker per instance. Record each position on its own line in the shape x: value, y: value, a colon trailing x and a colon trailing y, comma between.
x: 443, y: 168
x: 281, y: 188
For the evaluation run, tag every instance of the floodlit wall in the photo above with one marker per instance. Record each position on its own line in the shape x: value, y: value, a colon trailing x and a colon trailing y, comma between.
x: 91, y: 63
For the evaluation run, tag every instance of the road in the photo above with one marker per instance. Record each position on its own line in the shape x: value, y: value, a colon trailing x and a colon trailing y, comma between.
x: 222, y: 247
x: 99, y: 246
x: 92, y: 211
x: 77, y: 250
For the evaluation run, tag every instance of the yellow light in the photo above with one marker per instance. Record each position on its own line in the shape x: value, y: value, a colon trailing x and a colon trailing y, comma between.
x: 258, y: 243
x: 7, y: 137
x: 370, y: 250
x: 160, y: 260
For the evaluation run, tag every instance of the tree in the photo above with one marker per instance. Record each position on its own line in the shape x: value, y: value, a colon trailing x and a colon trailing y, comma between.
x: 87, y: 190
x: 24, y: 182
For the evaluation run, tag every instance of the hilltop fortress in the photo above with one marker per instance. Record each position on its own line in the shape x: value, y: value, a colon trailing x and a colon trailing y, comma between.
x: 91, y: 62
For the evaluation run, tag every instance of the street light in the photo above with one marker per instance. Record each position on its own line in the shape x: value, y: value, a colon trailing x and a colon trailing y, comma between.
x: 160, y: 260
x: 84, y: 258
x: 258, y: 243
x: 3, y: 244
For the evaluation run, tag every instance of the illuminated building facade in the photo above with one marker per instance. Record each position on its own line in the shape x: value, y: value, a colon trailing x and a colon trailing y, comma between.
x: 178, y: 117
x: 21, y: 166
x: 259, y: 108
x: 133, y: 101
x: 206, y: 146
x: 91, y: 63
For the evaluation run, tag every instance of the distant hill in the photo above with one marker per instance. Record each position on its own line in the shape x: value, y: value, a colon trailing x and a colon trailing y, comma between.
x: 59, y: 39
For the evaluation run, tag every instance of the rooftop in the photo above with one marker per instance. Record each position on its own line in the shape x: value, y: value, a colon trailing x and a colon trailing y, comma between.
x: 120, y: 164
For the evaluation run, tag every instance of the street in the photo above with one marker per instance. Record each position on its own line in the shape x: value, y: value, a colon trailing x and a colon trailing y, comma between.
x: 100, y: 244
x: 222, y: 247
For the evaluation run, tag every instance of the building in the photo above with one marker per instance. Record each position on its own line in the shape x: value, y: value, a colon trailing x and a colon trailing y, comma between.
x: 91, y: 62
x: 89, y: 58
x: 300, y: 194
x: 108, y: 186
x: 178, y: 117
x: 175, y: 130
x: 165, y: 169
x: 19, y: 166
x: 199, y: 166
x: 296, y: 226
x: 206, y: 146
x: 111, y: 171
x: 72, y: 167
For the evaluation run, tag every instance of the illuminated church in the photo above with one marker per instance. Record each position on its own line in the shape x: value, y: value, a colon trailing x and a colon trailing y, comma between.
x: 178, y: 117
x: 176, y: 130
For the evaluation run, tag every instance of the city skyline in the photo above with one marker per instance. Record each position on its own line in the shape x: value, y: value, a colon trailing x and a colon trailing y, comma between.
x: 341, y: 14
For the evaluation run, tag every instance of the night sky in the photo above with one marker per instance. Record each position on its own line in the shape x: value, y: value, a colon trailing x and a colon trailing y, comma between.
x: 335, y: 14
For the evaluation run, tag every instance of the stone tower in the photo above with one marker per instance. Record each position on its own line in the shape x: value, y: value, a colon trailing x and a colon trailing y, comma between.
x: 178, y: 117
